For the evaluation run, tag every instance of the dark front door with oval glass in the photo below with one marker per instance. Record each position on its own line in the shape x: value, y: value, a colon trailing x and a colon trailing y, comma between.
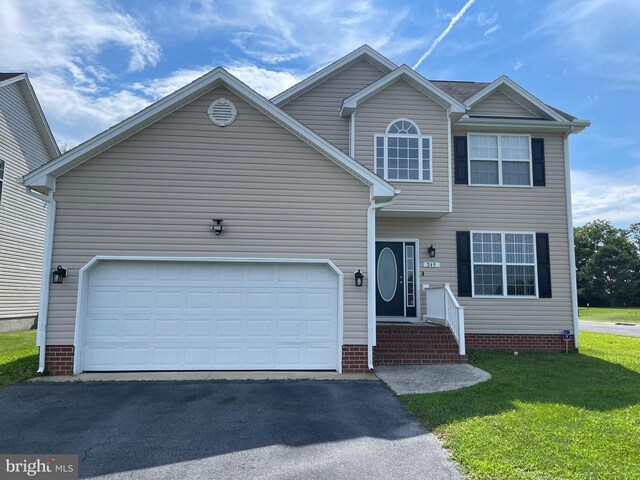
x: 395, y: 279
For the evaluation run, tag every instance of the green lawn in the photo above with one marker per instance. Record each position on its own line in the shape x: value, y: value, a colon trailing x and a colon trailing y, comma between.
x: 610, y: 315
x: 545, y: 416
x: 18, y: 357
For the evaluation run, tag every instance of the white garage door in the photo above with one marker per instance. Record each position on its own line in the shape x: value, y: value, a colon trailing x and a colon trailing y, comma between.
x: 210, y: 316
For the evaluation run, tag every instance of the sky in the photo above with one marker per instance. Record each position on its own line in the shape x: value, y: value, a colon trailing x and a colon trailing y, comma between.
x: 94, y: 63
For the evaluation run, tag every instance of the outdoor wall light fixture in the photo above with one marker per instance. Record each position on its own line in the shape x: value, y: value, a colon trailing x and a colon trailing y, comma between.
x: 359, y: 278
x: 431, y: 251
x: 217, y: 226
x: 58, y: 274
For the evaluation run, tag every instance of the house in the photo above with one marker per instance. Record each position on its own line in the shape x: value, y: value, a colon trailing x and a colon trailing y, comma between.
x: 365, y: 216
x: 26, y: 143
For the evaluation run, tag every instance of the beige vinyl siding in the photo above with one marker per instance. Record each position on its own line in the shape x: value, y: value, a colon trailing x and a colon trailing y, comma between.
x: 499, y: 105
x: 538, y: 209
x: 155, y: 194
x: 22, y: 218
x: 401, y: 100
x: 319, y: 108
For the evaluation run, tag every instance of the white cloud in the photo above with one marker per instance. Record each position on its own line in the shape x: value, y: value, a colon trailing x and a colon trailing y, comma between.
x: 444, y: 33
x: 276, y: 32
x: 77, y: 115
x: 517, y: 65
x: 266, y: 82
x: 597, y: 195
x: 598, y: 37
x: 484, y: 20
x: 491, y: 30
x: 68, y: 35
x: 59, y: 45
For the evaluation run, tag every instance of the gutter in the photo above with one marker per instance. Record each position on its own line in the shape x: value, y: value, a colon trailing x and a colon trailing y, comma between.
x: 572, y: 250
x: 371, y: 268
x: 41, y: 338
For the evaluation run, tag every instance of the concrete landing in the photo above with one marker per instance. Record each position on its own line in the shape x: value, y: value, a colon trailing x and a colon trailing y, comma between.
x: 405, y: 379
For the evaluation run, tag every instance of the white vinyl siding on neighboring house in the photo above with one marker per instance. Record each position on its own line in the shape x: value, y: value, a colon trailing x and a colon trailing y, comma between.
x: 500, y: 160
x: 22, y: 217
x: 503, y: 264
x: 1, y: 177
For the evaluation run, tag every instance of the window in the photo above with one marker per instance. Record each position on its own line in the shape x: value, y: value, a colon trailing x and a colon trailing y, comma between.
x: 403, y: 154
x: 504, y: 264
x: 1, y: 177
x: 500, y: 160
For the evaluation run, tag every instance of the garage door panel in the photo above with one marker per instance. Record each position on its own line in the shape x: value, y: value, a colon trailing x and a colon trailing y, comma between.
x: 189, y: 315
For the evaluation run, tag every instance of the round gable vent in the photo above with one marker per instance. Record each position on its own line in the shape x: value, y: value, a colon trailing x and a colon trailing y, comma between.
x: 222, y: 112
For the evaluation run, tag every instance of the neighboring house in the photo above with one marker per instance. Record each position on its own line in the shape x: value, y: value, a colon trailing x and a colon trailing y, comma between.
x: 218, y: 230
x: 26, y: 143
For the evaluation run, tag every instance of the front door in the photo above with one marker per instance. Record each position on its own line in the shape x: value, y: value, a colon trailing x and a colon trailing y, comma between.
x: 395, y: 279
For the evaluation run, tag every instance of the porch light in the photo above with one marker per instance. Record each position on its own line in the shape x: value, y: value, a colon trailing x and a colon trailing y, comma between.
x: 431, y: 251
x: 359, y: 277
x: 58, y: 274
x: 217, y: 226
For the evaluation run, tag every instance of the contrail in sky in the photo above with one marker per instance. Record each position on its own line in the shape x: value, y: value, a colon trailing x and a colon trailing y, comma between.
x: 435, y: 43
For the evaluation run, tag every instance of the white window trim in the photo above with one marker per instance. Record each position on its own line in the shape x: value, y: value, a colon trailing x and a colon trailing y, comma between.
x: 504, y: 266
x: 499, y: 160
x: 419, y: 136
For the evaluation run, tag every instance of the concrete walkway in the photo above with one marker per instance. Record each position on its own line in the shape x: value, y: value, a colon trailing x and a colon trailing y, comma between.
x: 406, y: 379
x: 610, y: 328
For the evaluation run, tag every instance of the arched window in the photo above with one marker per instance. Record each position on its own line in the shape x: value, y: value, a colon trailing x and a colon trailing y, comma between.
x: 402, y: 153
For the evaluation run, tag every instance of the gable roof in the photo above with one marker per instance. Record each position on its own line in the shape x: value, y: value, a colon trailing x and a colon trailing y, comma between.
x: 514, y: 91
x: 8, y: 76
x: 460, y: 90
x: 414, y: 79
x: 29, y: 95
x: 43, y: 178
x: 464, y: 90
x: 364, y: 52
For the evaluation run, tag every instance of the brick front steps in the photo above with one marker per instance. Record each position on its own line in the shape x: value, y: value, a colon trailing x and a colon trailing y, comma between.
x: 415, y: 344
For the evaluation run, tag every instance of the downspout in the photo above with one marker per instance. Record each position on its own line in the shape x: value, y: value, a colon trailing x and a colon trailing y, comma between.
x: 41, y: 337
x: 572, y: 251
x: 371, y: 281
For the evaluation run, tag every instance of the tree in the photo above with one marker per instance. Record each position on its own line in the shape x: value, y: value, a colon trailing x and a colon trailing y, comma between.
x: 608, y: 263
x: 633, y: 233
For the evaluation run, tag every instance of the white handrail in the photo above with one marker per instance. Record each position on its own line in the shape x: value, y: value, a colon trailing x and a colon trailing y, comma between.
x: 442, y: 304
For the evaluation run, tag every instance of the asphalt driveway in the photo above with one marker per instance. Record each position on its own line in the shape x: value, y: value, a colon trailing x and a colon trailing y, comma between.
x: 228, y: 429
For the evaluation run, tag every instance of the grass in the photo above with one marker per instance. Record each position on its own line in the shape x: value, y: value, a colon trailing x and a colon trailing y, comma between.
x: 545, y: 416
x: 610, y: 315
x: 18, y: 357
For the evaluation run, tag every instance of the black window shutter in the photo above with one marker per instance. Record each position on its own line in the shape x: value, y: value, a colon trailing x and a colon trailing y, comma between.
x: 463, y: 241
x: 461, y: 159
x: 537, y: 157
x: 544, y: 268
